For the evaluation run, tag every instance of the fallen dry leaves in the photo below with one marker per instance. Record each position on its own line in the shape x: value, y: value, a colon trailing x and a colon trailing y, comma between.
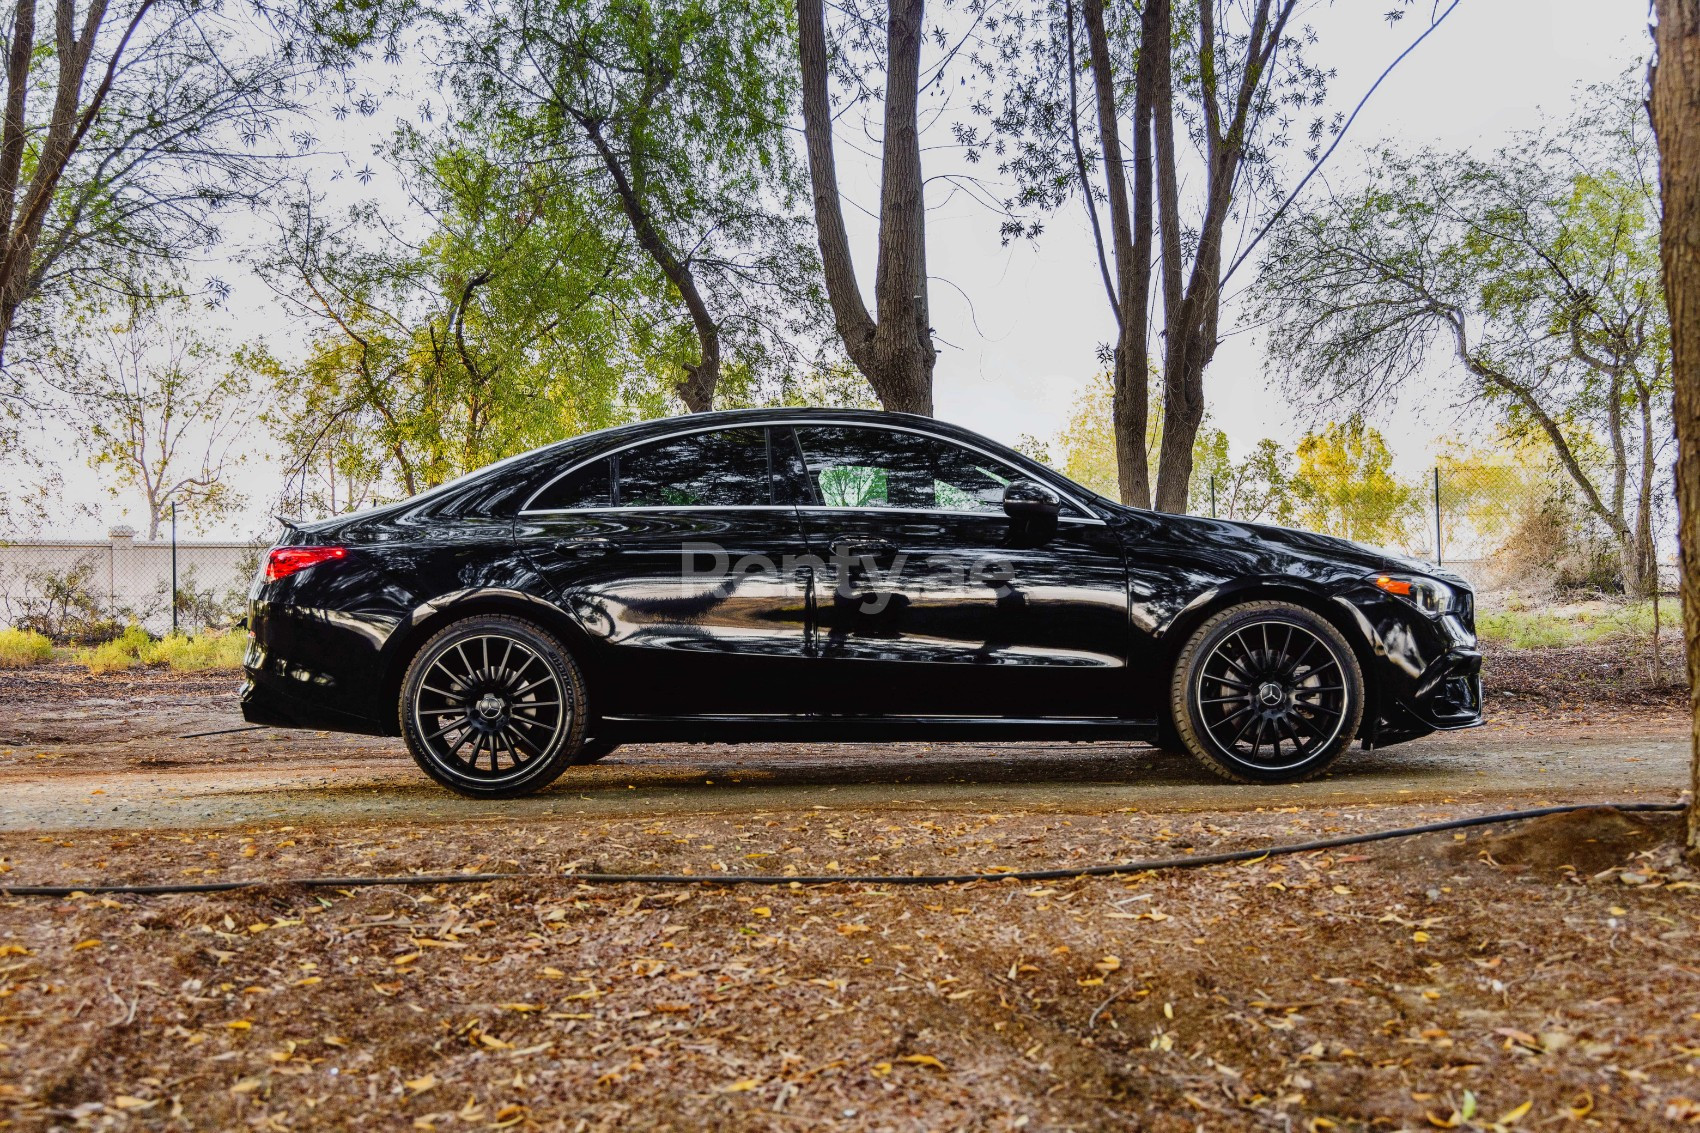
x: 1445, y: 983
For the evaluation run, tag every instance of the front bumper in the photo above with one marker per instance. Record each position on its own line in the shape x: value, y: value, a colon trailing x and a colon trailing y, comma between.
x: 1448, y: 697
x: 1427, y: 671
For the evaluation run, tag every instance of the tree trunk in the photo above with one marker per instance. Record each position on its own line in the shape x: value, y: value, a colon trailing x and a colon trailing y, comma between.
x: 14, y: 135
x: 697, y: 390
x: 1130, y: 399
x: 1675, y: 106
x: 1192, y: 319
x: 1648, y: 552
x: 1184, y: 363
x: 893, y: 347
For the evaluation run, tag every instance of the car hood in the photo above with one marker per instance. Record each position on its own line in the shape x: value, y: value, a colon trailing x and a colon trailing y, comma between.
x: 1312, y: 545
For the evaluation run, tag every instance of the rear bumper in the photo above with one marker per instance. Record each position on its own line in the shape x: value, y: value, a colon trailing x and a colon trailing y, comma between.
x: 266, y: 701
x: 313, y: 666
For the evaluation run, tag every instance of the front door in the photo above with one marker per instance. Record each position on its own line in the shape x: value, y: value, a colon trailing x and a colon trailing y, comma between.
x: 931, y: 601
x: 661, y: 552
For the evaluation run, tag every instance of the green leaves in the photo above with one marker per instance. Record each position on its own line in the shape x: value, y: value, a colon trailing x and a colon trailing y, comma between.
x: 671, y: 113
x: 516, y: 320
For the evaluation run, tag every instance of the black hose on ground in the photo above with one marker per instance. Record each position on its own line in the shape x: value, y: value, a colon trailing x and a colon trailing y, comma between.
x: 225, y: 731
x: 1195, y: 862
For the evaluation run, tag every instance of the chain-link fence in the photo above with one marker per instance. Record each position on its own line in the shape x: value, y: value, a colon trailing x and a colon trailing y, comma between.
x: 1505, y: 525
x: 86, y: 592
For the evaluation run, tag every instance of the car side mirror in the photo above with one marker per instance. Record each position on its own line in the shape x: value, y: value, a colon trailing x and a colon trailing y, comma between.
x: 1029, y: 499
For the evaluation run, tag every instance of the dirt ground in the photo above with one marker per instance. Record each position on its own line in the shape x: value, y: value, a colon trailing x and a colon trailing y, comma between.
x: 1456, y: 980
x: 1529, y: 976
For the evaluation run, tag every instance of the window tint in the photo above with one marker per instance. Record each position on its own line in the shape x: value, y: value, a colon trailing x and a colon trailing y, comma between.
x: 791, y: 484
x: 587, y: 487
x: 964, y: 480
x: 860, y: 467
x: 727, y: 468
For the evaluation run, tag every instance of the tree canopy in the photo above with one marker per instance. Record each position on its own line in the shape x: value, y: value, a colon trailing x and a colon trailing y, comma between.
x: 514, y: 320
x: 673, y: 115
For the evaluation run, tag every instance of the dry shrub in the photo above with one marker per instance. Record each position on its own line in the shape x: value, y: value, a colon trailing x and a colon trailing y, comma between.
x: 21, y: 648
x: 1552, y: 545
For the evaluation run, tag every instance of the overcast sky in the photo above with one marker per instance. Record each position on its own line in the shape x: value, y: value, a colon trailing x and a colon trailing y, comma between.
x: 1019, y: 326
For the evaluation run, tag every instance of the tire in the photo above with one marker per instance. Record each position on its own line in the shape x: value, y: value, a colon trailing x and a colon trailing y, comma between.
x: 503, y: 685
x: 592, y: 750
x: 1270, y: 674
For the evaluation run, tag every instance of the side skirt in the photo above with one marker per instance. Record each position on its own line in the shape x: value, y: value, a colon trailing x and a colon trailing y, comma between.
x: 866, y: 729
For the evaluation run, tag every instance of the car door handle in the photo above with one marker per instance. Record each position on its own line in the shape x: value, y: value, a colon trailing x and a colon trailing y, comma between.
x: 879, y: 550
x: 588, y: 548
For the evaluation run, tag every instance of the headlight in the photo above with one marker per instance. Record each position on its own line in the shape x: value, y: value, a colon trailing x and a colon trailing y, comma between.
x: 1426, y: 594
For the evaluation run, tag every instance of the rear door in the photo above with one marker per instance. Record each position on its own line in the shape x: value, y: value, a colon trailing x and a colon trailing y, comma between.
x: 932, y: 601
x: 671, y: 554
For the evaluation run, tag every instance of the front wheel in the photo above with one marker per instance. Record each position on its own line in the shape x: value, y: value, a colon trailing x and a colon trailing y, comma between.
x: 493, y: 707
x: 1267, y: 692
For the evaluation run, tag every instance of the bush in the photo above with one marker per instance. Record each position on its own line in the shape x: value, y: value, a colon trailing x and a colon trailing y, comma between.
x: 1554, y: 543
x: 133, y: 640
x: 21, y: 648
x: 122, y: 652
x: 200, y: 609
x: 196, y: 654
x: 64, y: 606
x: 112, y: 657
x: 176, y: 651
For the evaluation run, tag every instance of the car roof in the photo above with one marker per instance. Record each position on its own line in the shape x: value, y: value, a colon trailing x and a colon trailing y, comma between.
x: 691, y: 422
x: 585, y: 445
x: 519, y: 470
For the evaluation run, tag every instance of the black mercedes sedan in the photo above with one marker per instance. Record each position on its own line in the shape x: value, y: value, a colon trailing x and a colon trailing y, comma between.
x: 831, y: 575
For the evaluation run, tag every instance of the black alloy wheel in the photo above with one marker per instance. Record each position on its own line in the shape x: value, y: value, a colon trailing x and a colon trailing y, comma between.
x: 493, y: 707
x: 1267, y: 692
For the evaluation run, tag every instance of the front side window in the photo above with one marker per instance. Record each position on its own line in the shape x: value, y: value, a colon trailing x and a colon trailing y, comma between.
x: 859, y: 467
x: 725, y: 468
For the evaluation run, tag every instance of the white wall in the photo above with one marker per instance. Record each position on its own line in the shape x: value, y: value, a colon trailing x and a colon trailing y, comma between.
x: 128, y: 575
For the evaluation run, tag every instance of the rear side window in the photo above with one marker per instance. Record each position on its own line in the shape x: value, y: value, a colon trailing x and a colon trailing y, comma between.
x: 724, y: 468
x: 587, y: 487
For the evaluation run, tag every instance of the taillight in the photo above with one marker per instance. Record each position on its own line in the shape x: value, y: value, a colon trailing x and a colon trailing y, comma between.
x: 285, y: 561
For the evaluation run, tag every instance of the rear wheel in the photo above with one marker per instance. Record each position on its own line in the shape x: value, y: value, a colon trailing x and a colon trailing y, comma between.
x: 493, y: 707
x: 1267, y: 692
